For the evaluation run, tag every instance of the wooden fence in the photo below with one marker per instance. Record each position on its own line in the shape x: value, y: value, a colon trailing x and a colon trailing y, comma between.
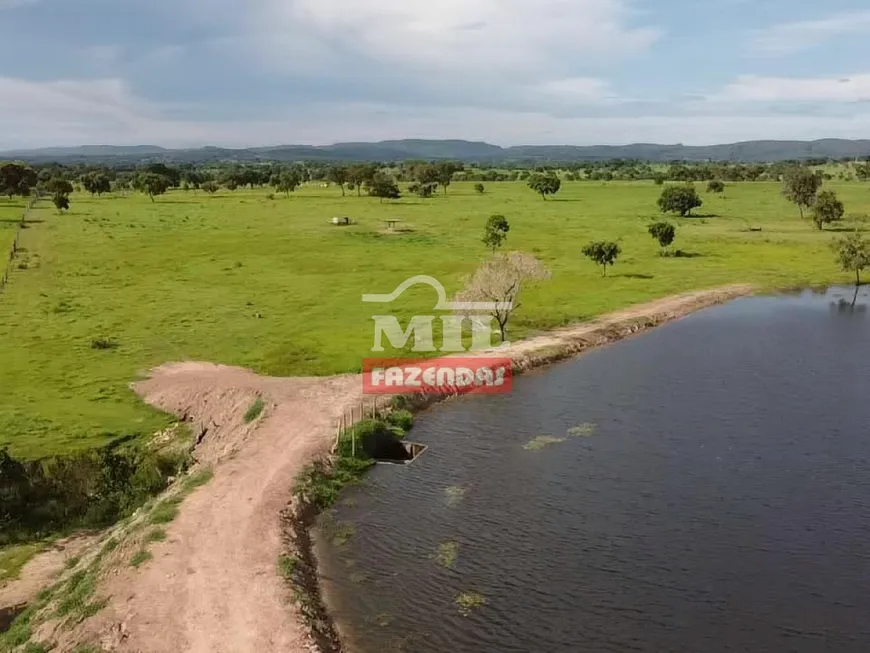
x: 16, y: 245
x: 368, y: 408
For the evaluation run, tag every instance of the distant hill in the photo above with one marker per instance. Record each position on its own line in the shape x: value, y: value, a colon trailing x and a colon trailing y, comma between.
x: 467, y: 151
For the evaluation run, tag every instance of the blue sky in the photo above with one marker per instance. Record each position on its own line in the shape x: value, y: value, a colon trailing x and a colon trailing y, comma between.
x: 258, y: 72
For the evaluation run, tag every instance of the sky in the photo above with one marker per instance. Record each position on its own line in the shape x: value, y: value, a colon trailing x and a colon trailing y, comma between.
x: 240, y: 73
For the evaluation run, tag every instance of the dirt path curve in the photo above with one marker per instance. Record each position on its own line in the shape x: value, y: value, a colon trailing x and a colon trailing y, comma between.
x: 213, y: 586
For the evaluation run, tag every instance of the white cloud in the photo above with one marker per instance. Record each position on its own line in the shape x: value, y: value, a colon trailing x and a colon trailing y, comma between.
x: 577, y: 89
x: 106, y: 111
x: 788, y: 38
x: 493, y: 35
x: 752, y: 88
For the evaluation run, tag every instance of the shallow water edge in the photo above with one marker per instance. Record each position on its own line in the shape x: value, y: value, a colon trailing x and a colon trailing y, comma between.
x: 300, y: 516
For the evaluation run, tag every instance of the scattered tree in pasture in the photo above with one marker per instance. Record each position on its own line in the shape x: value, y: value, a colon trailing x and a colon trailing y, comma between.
x: 425, y: 173
x: 545, y: 184
x: 500, y: 280
x: 231, y: 184
x: 361, y: 174
x: 679, y: 199
x: 664, y: 233
x: 288, y: 182
x: 17, y: 179
x: 384, y: 187
x: 173, y: 175
x: 58, y: 186
x: 338, y: 175
x: 422, y: 190
x: 853, y: 254
x: 715, y: 186
x: 602, y: 253
x: 800, y: 186
x: 659, y: 179
x: 480, y: 189
x: 152, y: 184
x: 210, y: 187
x: 495, y: 232
x: 61, y: 202
x: 827, y: 208
x: 96, y: 183
x: 444, y: 173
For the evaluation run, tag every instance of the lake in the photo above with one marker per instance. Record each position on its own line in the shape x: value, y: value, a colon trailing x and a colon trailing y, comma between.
x: 711, y: 492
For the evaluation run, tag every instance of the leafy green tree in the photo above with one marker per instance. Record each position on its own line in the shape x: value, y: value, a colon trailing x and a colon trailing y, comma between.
x: 827, y: 208
x: 17, y: 179
x: 445, y: 172
x: 383, y: 186
x: 679, y: 199
x: 61, y: 202
x: 422, y: 190
x: 210, y: 187
x: 602, y: 253
x: 58, y: 186
x: 495, y: 232
x: 853, y: 254
x: 288, y: 182
x: 545, y: 184
x: 715, y: 186
x: 800, y: 186
x: 152, y: 184
x: 664, y: 233
x: 96, y: 183
x: 361, y: 174
x: 338, y: 175
x: 659, y: 179
x: 480, y: 189
x: 173, y: 175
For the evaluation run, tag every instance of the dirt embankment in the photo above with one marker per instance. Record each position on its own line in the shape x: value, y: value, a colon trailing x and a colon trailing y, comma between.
x: 213, y: 585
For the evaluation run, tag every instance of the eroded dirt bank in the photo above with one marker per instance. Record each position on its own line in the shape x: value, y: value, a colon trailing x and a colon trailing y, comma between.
x: 213, y: 585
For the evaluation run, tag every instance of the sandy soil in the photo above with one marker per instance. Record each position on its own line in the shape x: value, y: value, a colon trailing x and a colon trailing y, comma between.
x: 42, y: 569
x: 213, y: 586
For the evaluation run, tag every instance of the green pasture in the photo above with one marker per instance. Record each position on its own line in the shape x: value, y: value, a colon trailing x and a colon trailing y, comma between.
x: 270, y: 284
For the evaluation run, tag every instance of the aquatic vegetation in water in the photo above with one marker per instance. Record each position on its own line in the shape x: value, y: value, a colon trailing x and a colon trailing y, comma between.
x: 383, y: 620
x: 541, y: 442
x: 455, y: 494
x: 447, y: 554
x: 584, y: 430
x: 469, y: 601
x: 342, y: 533
x: 359, y: 577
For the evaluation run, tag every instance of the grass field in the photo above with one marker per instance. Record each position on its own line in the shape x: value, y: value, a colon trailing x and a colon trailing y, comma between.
x: 186, y: 278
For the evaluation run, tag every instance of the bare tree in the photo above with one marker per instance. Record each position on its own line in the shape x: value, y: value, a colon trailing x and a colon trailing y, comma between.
x: 500, y: 280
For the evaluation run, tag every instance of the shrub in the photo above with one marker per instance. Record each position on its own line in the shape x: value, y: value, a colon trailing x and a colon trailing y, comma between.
x: 715, y: 186
x: 403, y: 419
x: 663, y: 232
x: 254, y: 411
x: 480, y: 189
x: 827, y: 208
x: 103, y: 343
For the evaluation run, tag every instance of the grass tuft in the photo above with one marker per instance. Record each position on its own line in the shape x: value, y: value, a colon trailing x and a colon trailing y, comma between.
x: 255, y: 410
x: 140, y: 558
x: 156, y: 535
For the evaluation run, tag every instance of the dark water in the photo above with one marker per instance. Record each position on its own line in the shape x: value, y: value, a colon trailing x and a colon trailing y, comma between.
x: 722, y: 503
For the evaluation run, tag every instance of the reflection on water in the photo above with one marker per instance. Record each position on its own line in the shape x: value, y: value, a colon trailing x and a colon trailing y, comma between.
x: 704, y: 487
